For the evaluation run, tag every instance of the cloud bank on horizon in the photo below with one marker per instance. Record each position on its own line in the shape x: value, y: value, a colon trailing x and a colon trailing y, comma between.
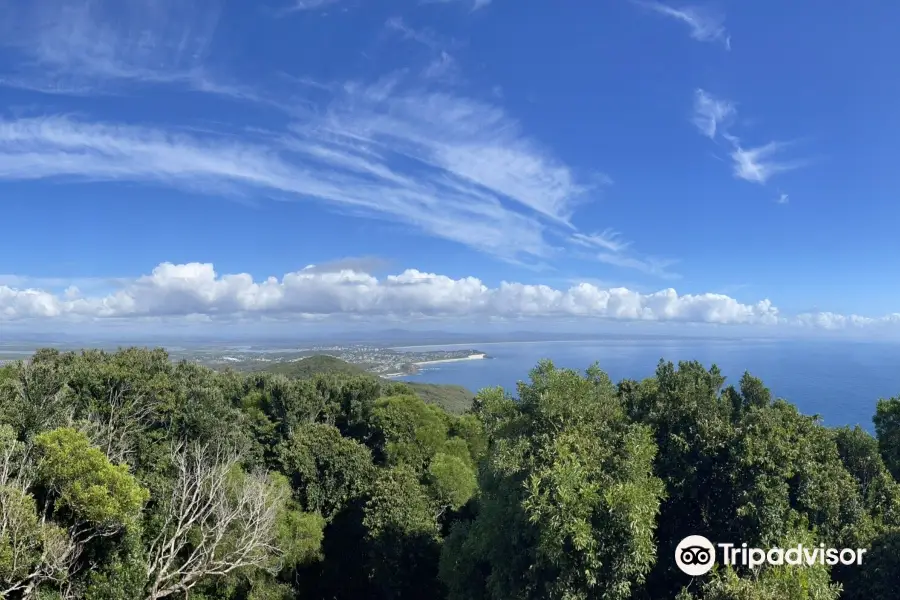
x: 399, y: 130
x: 342, y: 289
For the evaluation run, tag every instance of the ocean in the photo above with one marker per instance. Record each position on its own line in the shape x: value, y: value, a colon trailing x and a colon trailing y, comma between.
x: 839, y: 380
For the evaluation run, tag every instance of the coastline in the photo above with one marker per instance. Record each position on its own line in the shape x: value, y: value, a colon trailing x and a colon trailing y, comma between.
x: 477, y: 344
x: 449, y: 360
x: 480, y: 356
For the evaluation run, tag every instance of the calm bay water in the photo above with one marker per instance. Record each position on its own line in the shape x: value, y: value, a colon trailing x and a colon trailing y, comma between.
x: 841, y: 381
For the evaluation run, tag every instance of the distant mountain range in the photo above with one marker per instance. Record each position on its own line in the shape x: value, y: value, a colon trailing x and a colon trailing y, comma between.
x: 386, y: 337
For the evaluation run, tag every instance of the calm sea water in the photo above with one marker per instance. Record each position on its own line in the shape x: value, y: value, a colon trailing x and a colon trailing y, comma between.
x: 841, y: 381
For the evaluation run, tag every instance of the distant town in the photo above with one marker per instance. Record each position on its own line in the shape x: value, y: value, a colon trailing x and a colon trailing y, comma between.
x: 386, y: 362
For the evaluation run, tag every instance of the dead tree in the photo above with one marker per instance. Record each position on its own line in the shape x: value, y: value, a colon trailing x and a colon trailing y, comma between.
x: 217, y: 520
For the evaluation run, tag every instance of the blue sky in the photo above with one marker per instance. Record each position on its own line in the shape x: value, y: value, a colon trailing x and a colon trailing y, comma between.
x: 725, y: 163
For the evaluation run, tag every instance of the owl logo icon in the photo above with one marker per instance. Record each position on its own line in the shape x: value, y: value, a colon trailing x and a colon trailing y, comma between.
x: 695, y: 555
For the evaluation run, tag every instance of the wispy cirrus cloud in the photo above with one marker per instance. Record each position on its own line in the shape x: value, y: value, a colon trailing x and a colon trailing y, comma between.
x: 475, y: 4
x: 710, y: 112
x: 706, y: 25
x: 648, y: 265
x: 444, y: 68
x: 756, y: 164
x: 617, y: 252
x: 446, y: 164
x: 78, y: 47
x: 468, y: 172
x: 299, y: 5
x: 424, y: 36
x: 760, y: 163
x: 607, y: 239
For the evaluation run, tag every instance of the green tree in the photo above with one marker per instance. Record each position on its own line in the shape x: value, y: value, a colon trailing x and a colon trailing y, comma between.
x: 84, y: 482
x: 451, y: 481
x: 327, y: 470
x: 34, y: 396
x: 692, y: 426
x: 740, y: 466
x: 32, y: 551
x: 887, y: 429
x: 568, y: 501
x: 462, y: 567
x: 770, y: 582
x: 469, y: 428
x: 123, y: 475
x: 879, y: 575
x: 83, y: 497
x: 791, y: 475
x: 880, y: 492
x: 122, y: 574
x: 402, y: 537
x: 118, y: 397
x: 408, y: 431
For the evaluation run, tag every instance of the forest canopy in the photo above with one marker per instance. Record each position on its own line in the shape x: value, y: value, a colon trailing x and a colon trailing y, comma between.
x: 127, y: 476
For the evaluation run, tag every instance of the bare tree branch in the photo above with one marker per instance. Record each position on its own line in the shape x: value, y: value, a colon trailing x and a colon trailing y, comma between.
x: 116, y: 426
x: 38, y: 551
x: 218, y: 519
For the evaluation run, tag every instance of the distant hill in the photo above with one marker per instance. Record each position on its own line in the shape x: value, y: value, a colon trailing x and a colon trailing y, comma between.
x: 453, y: 398
x: 314, y: 365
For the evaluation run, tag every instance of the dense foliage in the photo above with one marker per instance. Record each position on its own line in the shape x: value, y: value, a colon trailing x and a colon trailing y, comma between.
x: 455, y: 399
x: 124, y: 475
x: 319, y: 364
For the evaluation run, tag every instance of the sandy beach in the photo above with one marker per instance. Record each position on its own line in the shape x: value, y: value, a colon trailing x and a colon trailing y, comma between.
x: 479, y: 356
x: 449, y: 360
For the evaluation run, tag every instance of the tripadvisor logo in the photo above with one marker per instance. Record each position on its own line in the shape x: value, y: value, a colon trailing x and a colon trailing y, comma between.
x: 695, y: 555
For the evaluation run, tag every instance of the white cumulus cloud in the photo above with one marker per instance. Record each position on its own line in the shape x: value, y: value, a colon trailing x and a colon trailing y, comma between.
x: 196, y: 290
